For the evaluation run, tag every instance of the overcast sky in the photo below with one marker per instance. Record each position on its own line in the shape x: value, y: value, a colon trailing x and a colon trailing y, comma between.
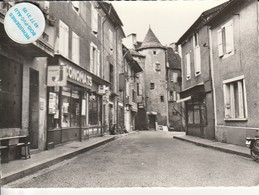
x: 168, y: 19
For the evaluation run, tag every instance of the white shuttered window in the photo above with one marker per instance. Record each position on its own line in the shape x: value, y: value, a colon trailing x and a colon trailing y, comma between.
x: 94, y: 20
x: 226, y: 39
x: 75, y: 48
x: 63, y: 39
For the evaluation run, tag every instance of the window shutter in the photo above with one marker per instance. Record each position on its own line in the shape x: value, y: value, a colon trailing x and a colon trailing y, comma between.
x: 75, y: 47
x: 220, y: 43
x: 229, y: 37
x: 98, y: 63
x: 91, y: 59
x: 63, y: 38
x: 188, y: 66
x: 197, y: 60
x: 111, y: 39
x: 94, y: 20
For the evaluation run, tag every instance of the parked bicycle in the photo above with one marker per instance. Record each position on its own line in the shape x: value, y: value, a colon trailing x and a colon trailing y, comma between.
x: 253, y: 144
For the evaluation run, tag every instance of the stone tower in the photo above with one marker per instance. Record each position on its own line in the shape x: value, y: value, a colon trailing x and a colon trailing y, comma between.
x: 155, y: 79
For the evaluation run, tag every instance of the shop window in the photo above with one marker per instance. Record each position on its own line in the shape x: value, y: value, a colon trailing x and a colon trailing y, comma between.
x: 196, y: 111
x: 235, y: 99
x: 75, y: 48
x: 70, y: 107
x: 10, y: 93
x: 84, y: 110
x: 63, y: 39
x: 226, y: 39
x: 94, y: 109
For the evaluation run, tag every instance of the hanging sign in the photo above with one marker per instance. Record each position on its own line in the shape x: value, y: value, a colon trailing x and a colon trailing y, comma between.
x: 57, y: 76
x: 24, y: 23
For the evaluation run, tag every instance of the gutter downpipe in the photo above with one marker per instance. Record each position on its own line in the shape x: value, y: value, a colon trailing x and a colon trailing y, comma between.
x: 213, y: 84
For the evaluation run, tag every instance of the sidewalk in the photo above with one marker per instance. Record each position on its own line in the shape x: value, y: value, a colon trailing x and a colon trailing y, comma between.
x: 228, y: 148
x: 39, y: 160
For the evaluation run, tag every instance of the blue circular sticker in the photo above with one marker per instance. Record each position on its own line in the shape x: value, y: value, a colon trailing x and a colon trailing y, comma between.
x: 24, y: 23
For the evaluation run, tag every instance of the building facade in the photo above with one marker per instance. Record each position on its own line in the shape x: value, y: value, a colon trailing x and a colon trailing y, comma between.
x: 197, y: 93
x: 132, y: 89
x: 60, y: 87
x: 174, y: 82
x: 23, y: 89
x: 234, y: 52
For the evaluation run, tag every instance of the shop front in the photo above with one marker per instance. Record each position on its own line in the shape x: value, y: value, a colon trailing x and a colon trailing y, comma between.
x: 75, y: 109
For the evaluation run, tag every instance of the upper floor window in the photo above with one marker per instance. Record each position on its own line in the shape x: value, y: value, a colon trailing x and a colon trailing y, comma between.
x: 75, y: 48
x: 158, y: 67
x: 152, y: 86
x: 94, y: 60
x: 188, y: 66
x: 154, y: 53
x: 226, y: 39
x: 94, y: 21
x: 174, y: 77
x: 235, y: 98
x: 162, y: 98
x: 197, y: 54
x: 63, y: 39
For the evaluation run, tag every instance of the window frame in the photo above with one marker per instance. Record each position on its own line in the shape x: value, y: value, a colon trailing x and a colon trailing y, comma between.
x: 94, y: 60
x: 225, y: 35
x: 230, y: 105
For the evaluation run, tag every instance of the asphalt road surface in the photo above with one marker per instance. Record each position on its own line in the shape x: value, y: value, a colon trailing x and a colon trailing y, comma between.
x: 147, y: 159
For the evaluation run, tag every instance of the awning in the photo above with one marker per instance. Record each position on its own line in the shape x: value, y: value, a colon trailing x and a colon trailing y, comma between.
x: 184, y: 99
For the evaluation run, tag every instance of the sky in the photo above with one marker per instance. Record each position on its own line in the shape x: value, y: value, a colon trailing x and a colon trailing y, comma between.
x: 169, y: 20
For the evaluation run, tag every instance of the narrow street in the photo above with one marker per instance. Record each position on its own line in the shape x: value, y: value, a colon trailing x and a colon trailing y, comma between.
x: 147, y: 159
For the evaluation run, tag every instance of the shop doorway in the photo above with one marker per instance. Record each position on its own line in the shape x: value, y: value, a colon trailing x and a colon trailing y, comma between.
x: 34, y: 108
x: 152, y: 122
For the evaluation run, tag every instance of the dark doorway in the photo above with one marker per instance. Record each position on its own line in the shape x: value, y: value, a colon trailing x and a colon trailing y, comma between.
x: 152, y: 121
x: 34, y: 108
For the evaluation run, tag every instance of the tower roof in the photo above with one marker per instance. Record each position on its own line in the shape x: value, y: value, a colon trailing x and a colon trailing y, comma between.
x: 150, y: 41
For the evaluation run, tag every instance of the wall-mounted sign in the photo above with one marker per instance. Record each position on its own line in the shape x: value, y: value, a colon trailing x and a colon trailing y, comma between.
x: 57, y: 76
x: 78, y: 75
x: 24, y: 23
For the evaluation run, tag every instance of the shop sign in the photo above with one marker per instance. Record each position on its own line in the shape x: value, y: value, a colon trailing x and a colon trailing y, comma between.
x: 56, y: 76
x: 102, y: 89
x: 78, y: 75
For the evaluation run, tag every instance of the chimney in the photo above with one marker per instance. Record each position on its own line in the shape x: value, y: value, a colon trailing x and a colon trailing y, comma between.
x: 174, y: 47
x: 130, y: 41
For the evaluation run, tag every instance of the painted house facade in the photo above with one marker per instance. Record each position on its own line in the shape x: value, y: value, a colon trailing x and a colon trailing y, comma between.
x: 197, y: 94
x: 234, y: 51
